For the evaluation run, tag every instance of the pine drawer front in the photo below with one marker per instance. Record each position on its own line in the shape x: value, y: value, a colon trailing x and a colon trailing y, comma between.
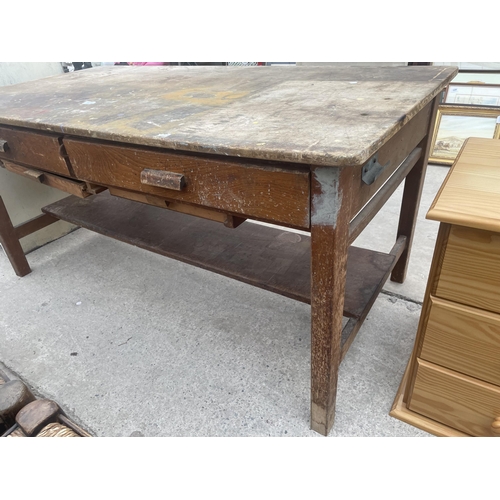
x: 453, y: 399
x: 42, y: 151
x: 463, y: 339
x: 470, y: 273
x: 278, y: 194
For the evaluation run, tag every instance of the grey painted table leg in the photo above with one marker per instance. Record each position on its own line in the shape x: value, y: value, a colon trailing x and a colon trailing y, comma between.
x: 331, y: 192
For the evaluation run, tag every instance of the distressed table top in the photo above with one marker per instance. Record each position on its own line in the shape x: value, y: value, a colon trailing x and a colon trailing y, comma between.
x: 329, y: 116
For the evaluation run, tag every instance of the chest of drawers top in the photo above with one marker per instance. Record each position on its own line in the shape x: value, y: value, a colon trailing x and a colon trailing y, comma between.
x: 470, y: 195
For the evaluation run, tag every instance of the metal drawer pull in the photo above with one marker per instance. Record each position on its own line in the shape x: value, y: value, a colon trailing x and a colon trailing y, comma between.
x: 160, y: 178
x: 4, y: 147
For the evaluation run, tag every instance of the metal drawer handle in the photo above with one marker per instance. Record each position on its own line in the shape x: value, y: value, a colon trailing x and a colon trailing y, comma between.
x: 4, y: 147
x: 160, y: 178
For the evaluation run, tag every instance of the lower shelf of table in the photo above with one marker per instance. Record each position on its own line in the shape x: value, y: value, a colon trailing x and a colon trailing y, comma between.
x: 401, y: 412
x: 263, y: 256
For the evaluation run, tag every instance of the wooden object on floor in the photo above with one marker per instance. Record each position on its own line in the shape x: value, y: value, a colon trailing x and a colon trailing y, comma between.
x: 452, y: 385
x: 35, y: 415
x: 14, y: 395
x: 219, y: 143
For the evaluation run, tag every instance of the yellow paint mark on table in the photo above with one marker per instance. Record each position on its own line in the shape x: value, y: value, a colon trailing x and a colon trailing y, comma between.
x: 205, y: 97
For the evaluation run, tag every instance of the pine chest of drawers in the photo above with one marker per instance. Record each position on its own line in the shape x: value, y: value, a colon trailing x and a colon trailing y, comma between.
x: 452, y: 384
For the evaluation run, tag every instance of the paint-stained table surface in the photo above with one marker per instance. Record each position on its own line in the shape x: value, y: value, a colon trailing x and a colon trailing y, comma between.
x: 332, y: 116
x: 319, y: 149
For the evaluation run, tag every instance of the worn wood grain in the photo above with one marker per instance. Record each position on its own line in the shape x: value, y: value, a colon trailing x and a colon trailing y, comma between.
x: 33, y: 148
x: 331, y: 198
x: 267, y: 193
x: 205, y: 213
x: 333, y: 116
x: 76, y: 188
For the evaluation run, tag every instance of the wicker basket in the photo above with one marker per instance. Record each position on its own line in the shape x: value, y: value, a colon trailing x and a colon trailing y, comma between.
x: 56, y: 430
x: 18, y: 433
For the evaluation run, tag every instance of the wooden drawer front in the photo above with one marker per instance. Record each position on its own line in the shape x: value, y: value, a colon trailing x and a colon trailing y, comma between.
x: 456, y: 400
x: 35, y: 149
x: 470, y: 272
x: 270, y: 194
x: 463, y: 339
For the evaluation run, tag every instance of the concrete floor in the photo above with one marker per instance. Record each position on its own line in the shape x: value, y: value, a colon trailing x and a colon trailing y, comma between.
x: 132, y: 343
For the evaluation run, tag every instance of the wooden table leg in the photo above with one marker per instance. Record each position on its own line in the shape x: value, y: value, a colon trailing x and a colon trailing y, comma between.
x: 412, y: 193
x: 10, y: 243
x: 331, y: 197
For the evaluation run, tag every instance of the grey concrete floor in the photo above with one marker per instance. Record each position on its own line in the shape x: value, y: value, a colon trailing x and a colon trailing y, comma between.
x: 132, y: 343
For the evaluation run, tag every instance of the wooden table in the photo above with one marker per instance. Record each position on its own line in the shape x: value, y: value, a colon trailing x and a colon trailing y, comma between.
x: 319, y: 149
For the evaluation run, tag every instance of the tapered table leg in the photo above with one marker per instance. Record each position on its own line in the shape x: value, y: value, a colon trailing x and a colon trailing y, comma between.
x: 412, y: 193
x: 11, y: 244
x: 331, y: 199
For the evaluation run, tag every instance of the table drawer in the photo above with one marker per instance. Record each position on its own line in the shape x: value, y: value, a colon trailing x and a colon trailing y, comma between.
x: 461, y: 402
x: 32, y: 148
x: 470, y: 272
x: 463, y: 339
x: 272, y: 194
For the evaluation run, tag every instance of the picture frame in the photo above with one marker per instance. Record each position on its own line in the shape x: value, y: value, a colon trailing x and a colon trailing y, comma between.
x: 472, y: 66
x: 474, y: 94
x: 455, y: 123
x: 482, y: 77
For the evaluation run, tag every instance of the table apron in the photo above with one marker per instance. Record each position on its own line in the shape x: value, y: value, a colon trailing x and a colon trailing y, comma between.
x: 268, y: 193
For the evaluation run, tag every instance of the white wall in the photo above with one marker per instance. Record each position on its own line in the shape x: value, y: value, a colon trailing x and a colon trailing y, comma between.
x: 23, y: 197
